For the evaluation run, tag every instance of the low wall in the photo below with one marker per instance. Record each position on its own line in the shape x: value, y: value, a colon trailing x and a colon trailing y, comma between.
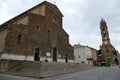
x: 5, y: 65
x: 43, y: 69
x: 51, y: 69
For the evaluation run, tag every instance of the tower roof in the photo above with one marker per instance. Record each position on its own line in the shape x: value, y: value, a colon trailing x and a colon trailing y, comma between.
x: 102, y: 20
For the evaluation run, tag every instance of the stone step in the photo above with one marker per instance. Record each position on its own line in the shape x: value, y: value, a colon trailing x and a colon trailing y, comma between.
x: 27, y: 68
x: 43, y: 69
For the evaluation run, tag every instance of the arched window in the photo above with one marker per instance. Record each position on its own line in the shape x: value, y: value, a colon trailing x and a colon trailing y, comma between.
x: 107, y: 50
x: 37, y: 27
x: 19, y: 39
x: 104, y: 35
x: 59, y: 39
x: 103, y: 29
x: 54, y: 19
x: 114, y: 52
x: 48, y: 35
x: 37, y: 54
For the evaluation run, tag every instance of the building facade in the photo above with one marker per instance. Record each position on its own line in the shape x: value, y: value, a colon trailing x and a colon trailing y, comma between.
x: 36, y: 35
x: 94, y: 56
x: 107, y: 53
x: 84, y: 54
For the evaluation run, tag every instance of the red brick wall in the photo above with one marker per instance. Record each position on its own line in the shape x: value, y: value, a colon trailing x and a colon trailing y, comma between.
x: 32, y: 38
x: 9, y: 64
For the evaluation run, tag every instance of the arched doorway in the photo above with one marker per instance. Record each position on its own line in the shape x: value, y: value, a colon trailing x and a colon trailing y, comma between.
x: 108, y: 62
x: 66, y: 57
x: 54, y: 54
x: 116, y: 61
x: 37, y: 54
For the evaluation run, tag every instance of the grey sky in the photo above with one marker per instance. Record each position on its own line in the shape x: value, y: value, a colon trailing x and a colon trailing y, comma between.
x: 81, y: 18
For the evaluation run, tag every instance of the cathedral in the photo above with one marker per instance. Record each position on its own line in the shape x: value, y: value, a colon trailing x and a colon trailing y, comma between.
x: 107, y: 54
x: 36, y: 35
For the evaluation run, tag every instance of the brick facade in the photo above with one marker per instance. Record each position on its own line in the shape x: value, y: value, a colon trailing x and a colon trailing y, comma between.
x: 108, y: 53
x: 37, y: 31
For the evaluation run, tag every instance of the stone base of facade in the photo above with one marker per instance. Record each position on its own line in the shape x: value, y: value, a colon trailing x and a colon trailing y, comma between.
x: 41, y: 69
x: 9, y: 61
x: 29, y: 58
x: 6, y: 65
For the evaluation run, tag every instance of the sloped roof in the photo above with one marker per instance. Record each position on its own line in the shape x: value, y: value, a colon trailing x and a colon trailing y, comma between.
x: 54, y: 6
x: 79, y: 45
x: 24, y: 13
x: 102, y: 20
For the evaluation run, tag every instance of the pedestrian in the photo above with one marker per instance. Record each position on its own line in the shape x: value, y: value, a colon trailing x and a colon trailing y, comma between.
x: 46, y: 60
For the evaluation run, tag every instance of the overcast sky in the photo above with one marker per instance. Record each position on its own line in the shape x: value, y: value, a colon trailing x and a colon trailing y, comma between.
x: 81, y: 18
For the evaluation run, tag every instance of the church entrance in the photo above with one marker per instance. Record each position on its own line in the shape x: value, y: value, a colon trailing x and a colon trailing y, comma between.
x: 37, y: 54
x: 66, y: 57
x: 54, y: 54
x: 116, y: 61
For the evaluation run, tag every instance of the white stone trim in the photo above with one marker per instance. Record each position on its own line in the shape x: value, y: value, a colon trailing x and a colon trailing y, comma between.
x: 16, y: 57
x: 28, y: 58
x: 61, y: 60
x: 49, y: 59
x: 72, y: 61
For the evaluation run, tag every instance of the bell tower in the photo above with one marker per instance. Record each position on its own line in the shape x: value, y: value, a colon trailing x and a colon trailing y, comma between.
x: 104, y: 32
x: 108, y: 52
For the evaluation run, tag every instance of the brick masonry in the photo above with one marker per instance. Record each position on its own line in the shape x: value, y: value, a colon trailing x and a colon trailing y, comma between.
x: 39, y: 27
x: 108, y: 52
